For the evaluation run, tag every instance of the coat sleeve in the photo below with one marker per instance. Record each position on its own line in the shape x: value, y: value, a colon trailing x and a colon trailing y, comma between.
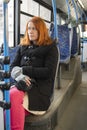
x: 48, y: 70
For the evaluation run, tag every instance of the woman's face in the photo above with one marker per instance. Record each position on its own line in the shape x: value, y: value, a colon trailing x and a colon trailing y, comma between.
x: 32, y: 32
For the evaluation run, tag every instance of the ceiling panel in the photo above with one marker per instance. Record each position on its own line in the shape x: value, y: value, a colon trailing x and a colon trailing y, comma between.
x: 61, y: 4
x: 85, y: 4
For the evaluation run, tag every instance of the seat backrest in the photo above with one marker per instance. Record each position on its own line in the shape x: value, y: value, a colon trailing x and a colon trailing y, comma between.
x: 12, y: 53
x: 64, y: 45
x: 63, y: 42
x: 74, y: 47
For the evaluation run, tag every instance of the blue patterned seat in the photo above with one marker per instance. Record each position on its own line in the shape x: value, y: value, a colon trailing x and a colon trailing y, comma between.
x: 12, y: 53
x: 63, y: 42
x: 64, y: 45
x: 74, y: 47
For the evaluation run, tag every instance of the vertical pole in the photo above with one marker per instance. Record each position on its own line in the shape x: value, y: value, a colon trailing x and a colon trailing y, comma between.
x: 55, y: 20
x: 56, y: 37
x: 68, y: 7
x: 6, y: 67
x: 74, y: 4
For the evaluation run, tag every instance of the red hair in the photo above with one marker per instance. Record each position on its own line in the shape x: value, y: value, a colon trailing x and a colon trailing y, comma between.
x: 44, y: 38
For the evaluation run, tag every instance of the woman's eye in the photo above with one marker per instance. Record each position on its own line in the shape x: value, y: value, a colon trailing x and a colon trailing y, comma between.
x: 33, y: 28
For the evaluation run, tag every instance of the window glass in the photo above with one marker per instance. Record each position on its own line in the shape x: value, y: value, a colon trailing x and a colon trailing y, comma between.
x: 45, y: 13
x: 23, y: 21
x: 1, y: 23
x: 11, y: 23
x: 30, y: 7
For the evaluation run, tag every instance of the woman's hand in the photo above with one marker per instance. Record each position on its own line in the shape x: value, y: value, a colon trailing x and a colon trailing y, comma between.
x: 27, y: 81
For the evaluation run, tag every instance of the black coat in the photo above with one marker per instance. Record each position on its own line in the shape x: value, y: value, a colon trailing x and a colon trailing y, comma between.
x: 39, y: 63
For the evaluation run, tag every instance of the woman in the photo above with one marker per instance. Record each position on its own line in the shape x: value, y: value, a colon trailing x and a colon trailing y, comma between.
x: 34, y: 70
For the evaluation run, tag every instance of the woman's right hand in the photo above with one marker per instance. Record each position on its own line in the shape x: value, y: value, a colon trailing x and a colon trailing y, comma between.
x: 27, y: 81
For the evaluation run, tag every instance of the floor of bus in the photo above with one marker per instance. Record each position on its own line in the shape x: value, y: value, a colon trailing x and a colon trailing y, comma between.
x: 74, y: 116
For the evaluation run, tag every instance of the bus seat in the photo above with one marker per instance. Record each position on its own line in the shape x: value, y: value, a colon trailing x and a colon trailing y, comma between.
x: 74, y: 47
x: 64, y: 45
x: 12, y: 53
x: 63, y: 42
